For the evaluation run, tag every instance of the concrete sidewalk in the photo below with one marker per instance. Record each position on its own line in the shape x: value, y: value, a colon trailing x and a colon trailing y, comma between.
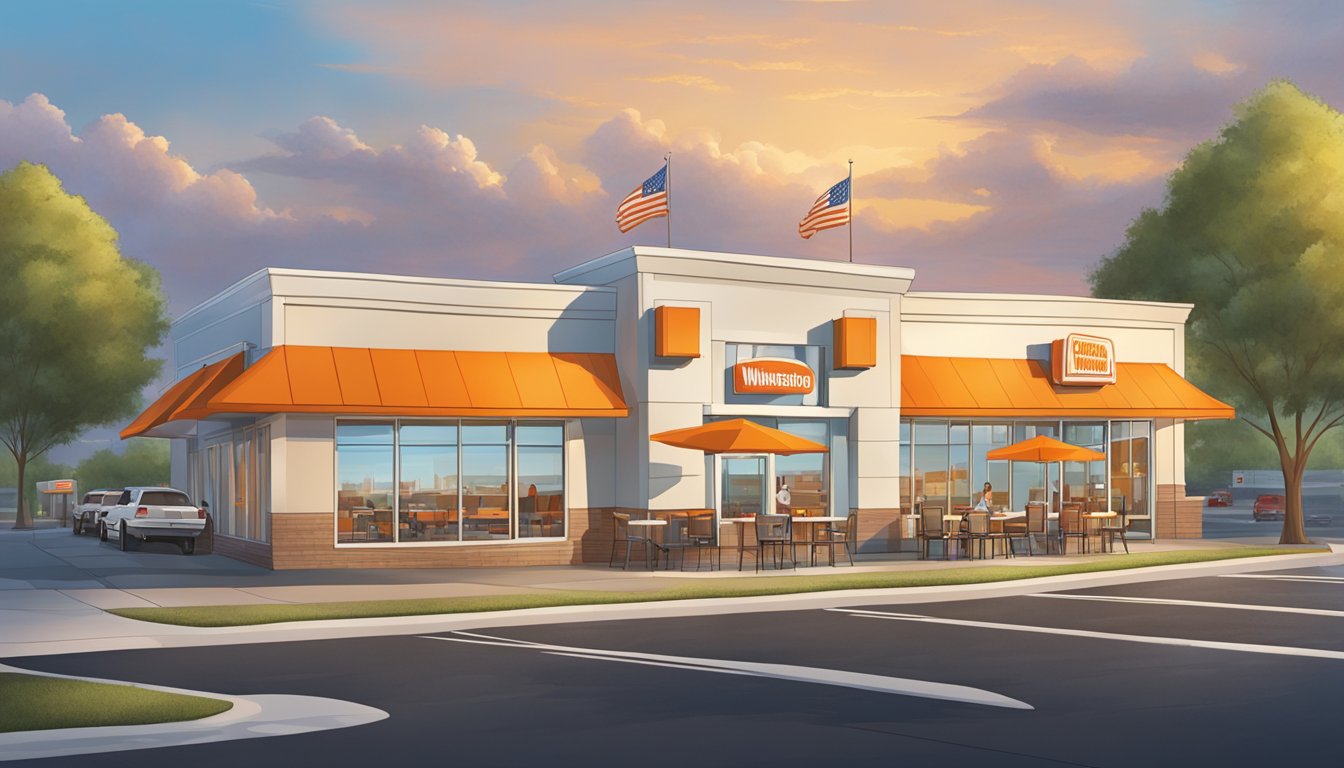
x: 54, y: 588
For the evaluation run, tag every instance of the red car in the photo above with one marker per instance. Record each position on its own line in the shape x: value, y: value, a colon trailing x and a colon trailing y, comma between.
x: 1268, y: 506
x: 1221, y: 498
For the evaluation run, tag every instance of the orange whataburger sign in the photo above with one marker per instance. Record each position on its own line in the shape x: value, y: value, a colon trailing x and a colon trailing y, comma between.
x: 1080, y: 360
x: 773, y: 376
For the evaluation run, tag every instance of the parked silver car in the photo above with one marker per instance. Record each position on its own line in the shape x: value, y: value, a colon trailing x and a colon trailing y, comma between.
x: 153, y: 514
x: 92, y: 508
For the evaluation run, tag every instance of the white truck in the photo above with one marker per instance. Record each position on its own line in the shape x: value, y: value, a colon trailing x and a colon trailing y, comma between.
x: 153, y: 514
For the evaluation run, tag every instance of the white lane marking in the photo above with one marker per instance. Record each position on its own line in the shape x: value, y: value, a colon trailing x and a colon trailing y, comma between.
x: 862, y: 681
x: 1286, y: 577
x: 1194, y: 604
x: 1275, y: 650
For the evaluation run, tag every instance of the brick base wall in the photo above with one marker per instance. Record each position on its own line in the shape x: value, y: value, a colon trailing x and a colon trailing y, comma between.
x: 254, y: 552
x: 1178, y: 516
x: 306, y: 540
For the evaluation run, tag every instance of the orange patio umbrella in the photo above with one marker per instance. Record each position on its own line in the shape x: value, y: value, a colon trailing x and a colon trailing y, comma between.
x: 738, y: 436
x: 1042, y: 449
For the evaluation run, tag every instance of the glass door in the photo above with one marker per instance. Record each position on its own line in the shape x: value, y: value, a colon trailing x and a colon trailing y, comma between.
x: 743, y: 484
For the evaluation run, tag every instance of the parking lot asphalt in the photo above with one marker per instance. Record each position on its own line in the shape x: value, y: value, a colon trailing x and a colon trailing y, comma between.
x: 1236, y: 522
x: 1231, y: 670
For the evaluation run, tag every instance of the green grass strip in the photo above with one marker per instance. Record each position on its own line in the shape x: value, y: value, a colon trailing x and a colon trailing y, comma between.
x: 271, y: 613
x: 35, y: 703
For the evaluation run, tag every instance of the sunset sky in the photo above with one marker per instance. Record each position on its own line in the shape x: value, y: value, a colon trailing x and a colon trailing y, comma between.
x: 998, y: 146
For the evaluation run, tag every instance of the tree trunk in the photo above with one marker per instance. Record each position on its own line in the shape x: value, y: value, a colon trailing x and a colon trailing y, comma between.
x: 1293, y: 470
x: 21, y: 517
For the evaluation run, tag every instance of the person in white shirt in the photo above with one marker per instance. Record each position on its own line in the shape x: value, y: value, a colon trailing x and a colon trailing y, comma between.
x: 783, y: 499
x: 986, y: 498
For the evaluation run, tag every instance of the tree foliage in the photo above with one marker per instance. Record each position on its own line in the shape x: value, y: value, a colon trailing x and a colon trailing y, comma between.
x: 76, y: 319
x: 144, y: 462
x: 1251, y: 233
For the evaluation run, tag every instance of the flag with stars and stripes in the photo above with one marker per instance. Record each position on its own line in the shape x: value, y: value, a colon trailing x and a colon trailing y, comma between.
x: 647, y: 201
x: 830, y: 210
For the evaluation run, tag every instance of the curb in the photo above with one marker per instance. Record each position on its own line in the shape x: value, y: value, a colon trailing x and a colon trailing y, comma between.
x: 184, y: 637
x: 251, y: 717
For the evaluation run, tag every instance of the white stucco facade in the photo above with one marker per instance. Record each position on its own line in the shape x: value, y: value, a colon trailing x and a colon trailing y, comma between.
x: 607, y: 307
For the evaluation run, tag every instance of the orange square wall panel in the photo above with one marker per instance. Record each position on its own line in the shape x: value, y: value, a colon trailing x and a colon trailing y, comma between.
x: 676, y: 331
x: 855, y: 342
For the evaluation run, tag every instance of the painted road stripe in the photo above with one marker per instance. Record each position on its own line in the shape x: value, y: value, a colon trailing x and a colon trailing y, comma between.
x: 1195, y: 604
x: 1275, y: 577
x: 880, y: 683
x: 1275, y: 650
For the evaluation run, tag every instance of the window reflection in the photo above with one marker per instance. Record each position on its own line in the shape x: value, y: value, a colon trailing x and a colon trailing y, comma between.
x: 450, y: 481
x: 541, y: 476
x: 938, y: 467
x: 805, y: 474
x: 428, y: 491
x: 364, y: 482
x: 485, y: 481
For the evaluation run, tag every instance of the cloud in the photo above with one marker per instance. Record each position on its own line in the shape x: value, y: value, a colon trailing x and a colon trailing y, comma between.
x: 690, y: 81
x: 1047, y: 227
x: 432, y: 204
x: 1169, y: 99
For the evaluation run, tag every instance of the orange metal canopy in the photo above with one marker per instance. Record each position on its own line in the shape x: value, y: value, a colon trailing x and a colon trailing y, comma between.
x: 1042, y: 448
x: 976, y: 387
x: 186, y: 399
x: 403, y: 382
x: 737, y: 436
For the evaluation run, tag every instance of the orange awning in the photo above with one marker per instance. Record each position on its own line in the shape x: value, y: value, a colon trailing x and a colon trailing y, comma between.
x: 975, y: 387
x: 411, y: 382
x: 186, y: 398
x: 737, y: 436
x: 401, y: 382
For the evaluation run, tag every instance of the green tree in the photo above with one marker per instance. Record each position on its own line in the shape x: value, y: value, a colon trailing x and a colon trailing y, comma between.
x: 38, y: 470
x: 144, y: 462
x: 76, y: 319
x: 1251, y: 233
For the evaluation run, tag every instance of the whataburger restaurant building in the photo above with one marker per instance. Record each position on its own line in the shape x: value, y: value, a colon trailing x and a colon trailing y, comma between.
x: 358, y: 420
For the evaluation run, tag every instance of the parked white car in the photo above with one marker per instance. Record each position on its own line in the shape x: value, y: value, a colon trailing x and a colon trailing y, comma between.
x: 92, y: 508
x: 153, y: 514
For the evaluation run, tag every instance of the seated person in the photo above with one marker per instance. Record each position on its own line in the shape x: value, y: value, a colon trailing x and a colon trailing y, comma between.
x: 986, y: 499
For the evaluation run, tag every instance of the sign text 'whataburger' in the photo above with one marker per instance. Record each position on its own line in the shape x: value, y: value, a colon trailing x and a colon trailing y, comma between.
x: 1080, y: 360
x: 773, y: 376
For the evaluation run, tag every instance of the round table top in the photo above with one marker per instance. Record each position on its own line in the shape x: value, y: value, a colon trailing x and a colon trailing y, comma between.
x: 647, y: 522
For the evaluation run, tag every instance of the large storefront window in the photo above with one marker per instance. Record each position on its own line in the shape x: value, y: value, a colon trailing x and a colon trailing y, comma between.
x: 485, y: 481
x: 233, y: 477
x: 930, y: 465
x: 805, y: 474
x: 1085, y: 481
x: 364, y: 481
x: 427, y: 494
x: 985, y: 438
x: 1129, y: 460
x: 454, y: 481
x: 904, y: 472
x: 541, y: 480
x: 934, y: 469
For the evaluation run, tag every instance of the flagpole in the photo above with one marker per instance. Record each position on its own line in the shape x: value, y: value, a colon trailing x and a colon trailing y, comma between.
x: 668, y: 158
x: 851, y: 211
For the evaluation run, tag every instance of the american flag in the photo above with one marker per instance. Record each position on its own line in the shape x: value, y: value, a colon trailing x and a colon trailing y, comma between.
x: 648, y: 201
x: 830, y: 210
